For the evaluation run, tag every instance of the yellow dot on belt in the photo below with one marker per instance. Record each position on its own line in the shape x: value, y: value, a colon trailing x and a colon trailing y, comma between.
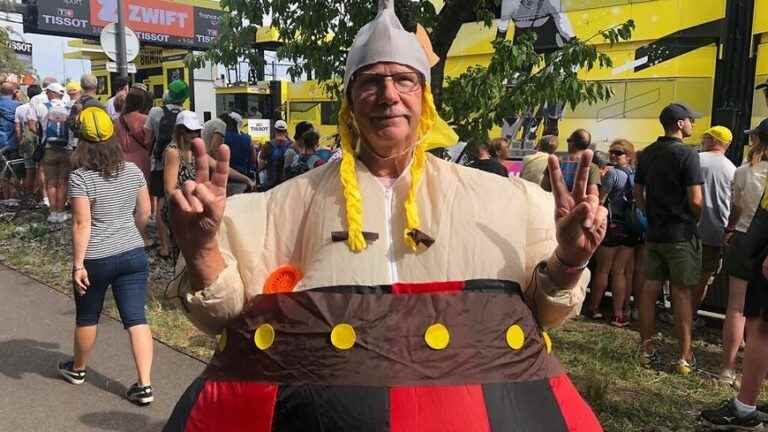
x: 343, y: 336
x: 437, y: 336
x: 515, y: 337
x: 548, y: 343
x: 264, y: 336
x: 222, y: 341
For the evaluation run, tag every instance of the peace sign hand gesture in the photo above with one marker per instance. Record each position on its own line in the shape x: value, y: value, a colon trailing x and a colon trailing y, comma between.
x: 197, y: 207
x: 580, y: 220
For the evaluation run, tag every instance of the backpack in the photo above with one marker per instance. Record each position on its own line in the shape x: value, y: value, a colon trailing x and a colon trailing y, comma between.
x: 275, y: 162
x: 57, y: 125
x: 635, y: 221
x: 165, y: 131
x: 304, y: 163
x: 84, y: 102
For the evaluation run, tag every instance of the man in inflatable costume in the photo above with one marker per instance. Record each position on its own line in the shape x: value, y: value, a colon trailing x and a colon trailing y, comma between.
x: 388, y: 291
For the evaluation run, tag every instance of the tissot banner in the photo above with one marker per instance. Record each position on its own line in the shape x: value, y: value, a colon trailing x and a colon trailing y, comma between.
x: 23, y: 52
x: 154, y: 21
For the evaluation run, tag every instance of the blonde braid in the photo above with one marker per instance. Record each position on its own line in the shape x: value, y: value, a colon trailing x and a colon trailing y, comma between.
x: 354, y: 201
x: 428, y: 119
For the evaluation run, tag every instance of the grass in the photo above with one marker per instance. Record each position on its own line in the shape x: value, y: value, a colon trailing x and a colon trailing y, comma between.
x: 30, y: 245
x: 602, y: 360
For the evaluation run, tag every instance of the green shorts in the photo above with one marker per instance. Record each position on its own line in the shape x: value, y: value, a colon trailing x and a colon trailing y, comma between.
x: 679, y: 262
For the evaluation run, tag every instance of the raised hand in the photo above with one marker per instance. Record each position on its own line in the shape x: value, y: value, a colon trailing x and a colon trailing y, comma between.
x: 580, y: 220
x: 197, y: 207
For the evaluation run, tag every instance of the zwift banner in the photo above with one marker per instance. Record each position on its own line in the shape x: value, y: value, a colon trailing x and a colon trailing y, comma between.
x: 155, y: 22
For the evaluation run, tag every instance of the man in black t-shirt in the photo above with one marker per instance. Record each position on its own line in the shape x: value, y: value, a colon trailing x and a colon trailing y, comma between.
x: 490, y: 156
x: 668, y: 185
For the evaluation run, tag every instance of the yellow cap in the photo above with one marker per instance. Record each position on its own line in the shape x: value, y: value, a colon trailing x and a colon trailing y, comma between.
x: 73, y: 86
x: 720, y: 133
x: 96, y: 125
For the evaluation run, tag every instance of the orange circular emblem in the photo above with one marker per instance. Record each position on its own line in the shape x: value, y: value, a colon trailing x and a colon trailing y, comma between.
x: 282, y: 280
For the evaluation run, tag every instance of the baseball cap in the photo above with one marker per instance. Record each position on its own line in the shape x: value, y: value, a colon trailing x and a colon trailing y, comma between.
x: 237, y: 118
x: 56, y: 88
x: 720, y: 133
x: 73, y: 86
x: 676, y: 111
x: 189, y: 120
x: 95, y: 124
x: 760, y: 130
x: 281, y: 125
x: 178, y: 92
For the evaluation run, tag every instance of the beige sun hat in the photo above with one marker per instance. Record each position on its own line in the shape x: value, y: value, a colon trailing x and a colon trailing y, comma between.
x: 385, y: 40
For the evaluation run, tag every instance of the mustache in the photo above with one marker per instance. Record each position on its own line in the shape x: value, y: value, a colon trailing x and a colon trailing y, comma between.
x: 392, y: 112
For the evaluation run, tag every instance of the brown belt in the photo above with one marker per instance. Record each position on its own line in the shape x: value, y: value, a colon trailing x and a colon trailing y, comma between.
x: 492, y: 338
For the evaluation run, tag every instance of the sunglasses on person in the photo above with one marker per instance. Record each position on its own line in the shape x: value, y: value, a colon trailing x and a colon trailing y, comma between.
x: 617, y: 152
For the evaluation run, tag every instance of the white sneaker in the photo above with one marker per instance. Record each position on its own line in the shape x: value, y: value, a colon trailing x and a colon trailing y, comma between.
x: 65, y: 216
x: 53, y: 217
x: 46, y: 202
x: 728, y: 377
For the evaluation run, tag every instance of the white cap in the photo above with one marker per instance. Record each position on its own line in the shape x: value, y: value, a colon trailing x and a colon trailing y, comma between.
x: 56, y: 88
x: 385, y: 40
x: 237, y: 118
x: 189, y: 120
x: 281, y: 125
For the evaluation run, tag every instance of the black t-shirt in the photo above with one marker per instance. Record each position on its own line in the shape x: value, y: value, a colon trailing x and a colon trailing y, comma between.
x: 491, y: 166
x: 667, y: 168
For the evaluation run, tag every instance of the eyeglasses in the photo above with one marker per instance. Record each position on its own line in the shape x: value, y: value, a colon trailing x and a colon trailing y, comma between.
x: 617, y: 152
x: 405, y: 82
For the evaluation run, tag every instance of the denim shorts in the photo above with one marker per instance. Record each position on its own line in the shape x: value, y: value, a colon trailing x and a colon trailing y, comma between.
x: 127, y: 274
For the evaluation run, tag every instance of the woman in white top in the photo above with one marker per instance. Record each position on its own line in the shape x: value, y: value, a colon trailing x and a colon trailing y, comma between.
x: 748, y: 185
x: 110, y: 208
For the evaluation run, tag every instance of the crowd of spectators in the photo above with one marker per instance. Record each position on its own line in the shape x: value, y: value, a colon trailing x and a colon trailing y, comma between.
x: 676, y: 216
x: 109, y: 168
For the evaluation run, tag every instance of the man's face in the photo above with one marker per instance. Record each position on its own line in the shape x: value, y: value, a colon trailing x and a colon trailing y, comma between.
x: 386, y: 102
x: 74, y: 95
x: 686, y: 127
x: 281, y: 135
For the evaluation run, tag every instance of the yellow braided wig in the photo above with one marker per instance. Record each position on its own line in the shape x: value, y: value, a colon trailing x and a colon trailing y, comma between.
x: 354, y: 201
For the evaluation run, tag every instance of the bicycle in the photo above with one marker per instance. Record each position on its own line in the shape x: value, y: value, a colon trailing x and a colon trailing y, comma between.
x: 12, y: 180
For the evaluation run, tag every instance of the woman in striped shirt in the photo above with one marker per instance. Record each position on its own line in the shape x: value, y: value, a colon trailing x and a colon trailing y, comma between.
x: 110, y: 206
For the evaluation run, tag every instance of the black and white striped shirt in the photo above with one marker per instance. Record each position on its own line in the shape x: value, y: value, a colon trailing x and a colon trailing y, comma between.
x: 113, y: 201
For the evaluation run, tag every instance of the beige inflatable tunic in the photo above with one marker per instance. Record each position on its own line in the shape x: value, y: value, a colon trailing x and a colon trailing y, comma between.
x: 484, y: 227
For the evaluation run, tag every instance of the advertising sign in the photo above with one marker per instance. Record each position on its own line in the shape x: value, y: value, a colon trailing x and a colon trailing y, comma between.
x: 23, y: 52
x: 155, y: 22
x: 259, y: 129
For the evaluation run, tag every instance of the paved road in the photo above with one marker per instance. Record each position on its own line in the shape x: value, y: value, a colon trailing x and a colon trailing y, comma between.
x: 36, y: 325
